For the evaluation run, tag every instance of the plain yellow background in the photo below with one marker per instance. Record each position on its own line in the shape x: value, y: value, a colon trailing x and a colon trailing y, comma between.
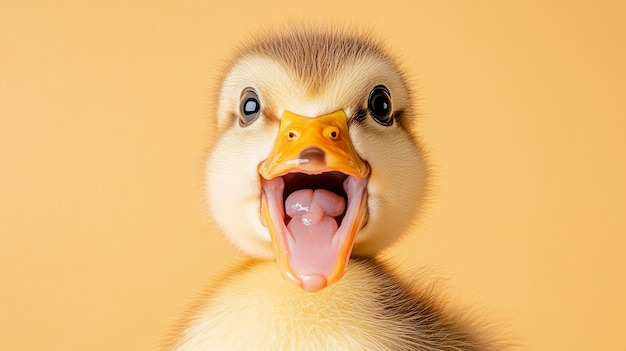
x: 105, y: 120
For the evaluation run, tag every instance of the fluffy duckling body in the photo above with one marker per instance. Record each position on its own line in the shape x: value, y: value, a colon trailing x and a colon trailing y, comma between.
x: 315, y: 162
x: 368, y: 309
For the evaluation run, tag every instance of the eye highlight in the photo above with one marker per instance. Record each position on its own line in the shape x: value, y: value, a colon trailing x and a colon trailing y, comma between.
x: 379, y: 105
x: 249, y: 107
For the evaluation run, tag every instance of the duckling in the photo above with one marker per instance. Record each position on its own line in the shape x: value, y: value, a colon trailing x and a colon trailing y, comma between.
x: 315, y: 169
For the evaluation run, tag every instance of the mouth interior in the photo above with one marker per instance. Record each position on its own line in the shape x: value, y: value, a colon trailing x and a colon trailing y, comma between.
x: 314, y: 219
x: 329, y: 181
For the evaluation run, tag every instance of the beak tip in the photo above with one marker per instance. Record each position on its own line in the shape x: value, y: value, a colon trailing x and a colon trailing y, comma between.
x: 313, y: 282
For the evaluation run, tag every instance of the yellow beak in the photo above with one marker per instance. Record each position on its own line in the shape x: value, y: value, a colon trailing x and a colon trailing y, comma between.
x: 313, y: 146
x: 310, y: 256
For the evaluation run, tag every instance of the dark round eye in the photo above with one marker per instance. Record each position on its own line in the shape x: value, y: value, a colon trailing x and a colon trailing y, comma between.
x: 249, y: 107
x: 379, y: 105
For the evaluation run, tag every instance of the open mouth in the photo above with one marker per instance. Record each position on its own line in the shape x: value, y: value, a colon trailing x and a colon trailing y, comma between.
x: 313, y: 220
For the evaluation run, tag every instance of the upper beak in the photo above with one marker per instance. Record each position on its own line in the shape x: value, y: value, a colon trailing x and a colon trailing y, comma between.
x: 313, y: 146
x: 307, y: 256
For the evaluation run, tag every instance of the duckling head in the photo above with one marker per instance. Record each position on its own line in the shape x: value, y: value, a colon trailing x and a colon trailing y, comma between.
x: 314, y: 160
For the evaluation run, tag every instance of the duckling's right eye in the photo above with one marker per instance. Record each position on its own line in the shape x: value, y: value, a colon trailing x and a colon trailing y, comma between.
x: 249, y: 107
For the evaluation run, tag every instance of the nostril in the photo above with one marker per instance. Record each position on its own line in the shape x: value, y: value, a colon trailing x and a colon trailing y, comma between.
x: 314, y: 156
x: 332, y: 132
x: 292, y: 135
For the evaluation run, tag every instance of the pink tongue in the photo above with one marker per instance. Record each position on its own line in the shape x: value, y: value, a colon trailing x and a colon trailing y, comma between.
x: 312, y: 254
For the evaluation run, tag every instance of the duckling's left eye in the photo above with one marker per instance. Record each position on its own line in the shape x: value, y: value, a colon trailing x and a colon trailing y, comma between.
x: 249, y: 107
x: 379, y: 105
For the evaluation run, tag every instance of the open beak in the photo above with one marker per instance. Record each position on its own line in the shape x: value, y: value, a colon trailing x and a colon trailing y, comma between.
x: 314, y: 198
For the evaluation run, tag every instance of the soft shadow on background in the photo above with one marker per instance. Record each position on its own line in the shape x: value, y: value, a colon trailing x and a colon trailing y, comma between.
x: 105, y: 119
